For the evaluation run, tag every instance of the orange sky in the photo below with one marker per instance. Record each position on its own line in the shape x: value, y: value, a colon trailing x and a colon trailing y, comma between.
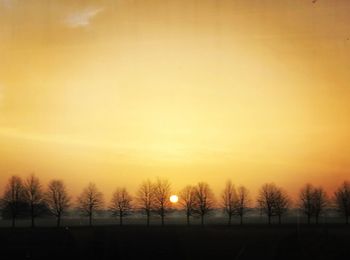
x: 118, y: 91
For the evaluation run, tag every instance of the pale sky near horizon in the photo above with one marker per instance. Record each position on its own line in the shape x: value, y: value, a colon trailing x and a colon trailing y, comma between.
x: 115, y: 92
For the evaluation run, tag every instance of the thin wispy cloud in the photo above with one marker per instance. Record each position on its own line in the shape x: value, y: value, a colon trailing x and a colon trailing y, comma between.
x: 7, y: 3
x: 82, y: 18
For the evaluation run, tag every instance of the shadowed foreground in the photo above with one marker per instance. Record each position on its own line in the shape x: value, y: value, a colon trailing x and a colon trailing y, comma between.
x: 178, y: 242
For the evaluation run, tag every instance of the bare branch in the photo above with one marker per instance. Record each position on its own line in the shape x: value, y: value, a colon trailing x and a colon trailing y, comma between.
x: 204, y: 200
x: 57, y: 199
x: 90, y: 200
x: 34, y: 196
x: 187, y: 201
x: 229, y: 200
x: 162, y: 192
x: 121, y: 204
x: 342, y: 200
x: 145, y: 198
x: 13, y: 198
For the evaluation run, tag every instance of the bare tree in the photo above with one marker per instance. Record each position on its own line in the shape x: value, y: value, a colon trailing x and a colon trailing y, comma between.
x: 90, y: 200
x: 266, y: 199
x: 281, y: 203
x: 204, y: 200
x: 13, y: 198
x: 243, y: 202
x: 229, y: 200
x: 162, y: 192
x: 121, y: 204
x: 320, y: 201
x: 187, y: 201
x: 57, y: 199
x: 306, y: 201
x: 342, y: 200
x: 34, y: 196
x: 313, y: 201
x: 145, y: 199
x: 273, y: 201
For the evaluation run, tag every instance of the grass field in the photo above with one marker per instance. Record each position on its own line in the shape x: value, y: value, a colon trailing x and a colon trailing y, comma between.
x: 250, y: 241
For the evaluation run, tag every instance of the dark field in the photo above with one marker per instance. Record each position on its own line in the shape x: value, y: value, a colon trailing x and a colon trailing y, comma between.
x: 178, y: 242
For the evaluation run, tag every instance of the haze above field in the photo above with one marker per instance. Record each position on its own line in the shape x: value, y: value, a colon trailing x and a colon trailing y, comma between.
x: 115, y: 92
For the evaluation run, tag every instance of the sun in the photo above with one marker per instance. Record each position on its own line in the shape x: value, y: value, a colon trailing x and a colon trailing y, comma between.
x: 174, y: 198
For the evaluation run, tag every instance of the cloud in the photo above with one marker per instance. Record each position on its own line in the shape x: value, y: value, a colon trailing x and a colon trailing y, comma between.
x: 7, y: 3
x: 82, y: 18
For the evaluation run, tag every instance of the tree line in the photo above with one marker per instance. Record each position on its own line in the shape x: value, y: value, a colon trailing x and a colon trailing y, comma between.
x: 29, y: 198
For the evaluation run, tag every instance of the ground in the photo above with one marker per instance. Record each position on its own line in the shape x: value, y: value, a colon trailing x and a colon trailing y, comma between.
x: 287, y: 241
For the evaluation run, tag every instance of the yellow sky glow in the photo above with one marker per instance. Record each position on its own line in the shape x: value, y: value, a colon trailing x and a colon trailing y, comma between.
x: 115, y: 92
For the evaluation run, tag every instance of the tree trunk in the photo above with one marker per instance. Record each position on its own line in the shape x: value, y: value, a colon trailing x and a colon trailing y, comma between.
x: 147, y: 220
x: 188, y: 220
x: 90, y: 219
x: 202, y: 220
x: 241, y: 219
x: 162, y: 221
x: 279, y: 219
x: 32, y: 214
x: 120, y: 220
x: 58, y: 221
x: 229, y: 219
x: 308, y: 219
x: 269, y: 219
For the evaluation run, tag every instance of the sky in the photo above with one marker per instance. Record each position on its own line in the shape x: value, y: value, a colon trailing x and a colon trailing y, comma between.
x: 118, y: 91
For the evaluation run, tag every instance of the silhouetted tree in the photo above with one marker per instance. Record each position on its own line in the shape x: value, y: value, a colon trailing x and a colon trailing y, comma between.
x: 121, y: 204
x: 204, y: 200
x: 229, y: 200
x: 145, y: 198
x: 34, y: 197
x: 342, y: 200
x: 273, y: 201
x: 57, y: 199
x: 243, y: 202
x: 90, y: 200
x: 187, y: 201
x: 313, y: 201
x: 266, y: 199
x: 162, y: 192
x: 13, y: 198
x: 319, y: 202
x: 281, y: 203
x: 306, y: 196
